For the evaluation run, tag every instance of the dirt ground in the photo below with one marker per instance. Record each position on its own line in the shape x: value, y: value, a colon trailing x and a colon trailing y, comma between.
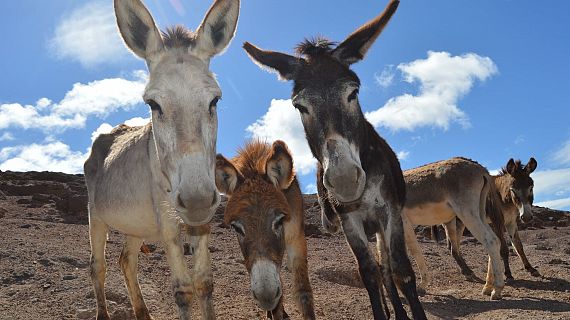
x: 44, y: 273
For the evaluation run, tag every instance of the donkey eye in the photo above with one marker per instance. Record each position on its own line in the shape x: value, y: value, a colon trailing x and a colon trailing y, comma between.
x: 278, y: 223
x: 301, y: 108
x: 238, y: 228
x: 352, y: 95
x: 154, y: 106
x: 214, y: 104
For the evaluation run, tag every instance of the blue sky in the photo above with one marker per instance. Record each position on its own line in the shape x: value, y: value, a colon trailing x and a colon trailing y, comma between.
x: 482, y: 79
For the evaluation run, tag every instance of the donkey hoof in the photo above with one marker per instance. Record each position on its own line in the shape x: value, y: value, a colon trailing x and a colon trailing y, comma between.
x: 421, y: 291
x: 487, y: 290
x: 534, y: 272
x: 496, y: 296
x: 509, y: 280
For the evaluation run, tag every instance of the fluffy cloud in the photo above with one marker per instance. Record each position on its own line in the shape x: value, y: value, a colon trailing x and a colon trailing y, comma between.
x: 54, y: 156
x: 443, y: 80
x: 106, y: 128
x: 311, y: 188
x: 552, y: 182
x: 555, y: 204
x: 6, y: 136
x: 403, y: 155
x: 563, y: 155
x: 283, y: 122
x: 99, y: 98
x: 386, y: 77
x: 89, y: 35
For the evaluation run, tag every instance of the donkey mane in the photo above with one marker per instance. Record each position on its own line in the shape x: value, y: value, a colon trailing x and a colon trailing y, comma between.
x: 315, y: 46
x: 250, y: 159
x: 178, y: 37
x: 519, y: 168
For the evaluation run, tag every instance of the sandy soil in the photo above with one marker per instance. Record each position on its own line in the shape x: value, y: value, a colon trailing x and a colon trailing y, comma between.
x: 44, y: 274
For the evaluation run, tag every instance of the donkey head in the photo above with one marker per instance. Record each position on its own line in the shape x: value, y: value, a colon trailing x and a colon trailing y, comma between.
x: 182, y: 94
x: 520, y: 186
x: 256, y: 211
x: 326, y: 94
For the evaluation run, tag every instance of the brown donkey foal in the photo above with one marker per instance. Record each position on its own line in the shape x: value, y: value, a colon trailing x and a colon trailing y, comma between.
x: 360, y: 183
x: 265, y: 209
x: 514, y: 194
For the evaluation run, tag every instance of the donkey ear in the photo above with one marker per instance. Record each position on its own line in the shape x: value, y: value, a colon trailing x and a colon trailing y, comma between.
x: 283, y: 64
x: 511, y: 166
x: 217, y: 29
x: 279, y: 165
x: 531, y: 165
x: 354, y: 48
x: 228, y: 178
x: 137, y: 28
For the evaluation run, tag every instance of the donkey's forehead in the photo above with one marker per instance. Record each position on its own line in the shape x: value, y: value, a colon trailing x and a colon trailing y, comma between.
x: 324, y: 72
x: 256, y: 197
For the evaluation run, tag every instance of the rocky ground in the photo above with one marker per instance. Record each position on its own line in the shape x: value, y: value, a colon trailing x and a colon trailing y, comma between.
x: 44, y: 254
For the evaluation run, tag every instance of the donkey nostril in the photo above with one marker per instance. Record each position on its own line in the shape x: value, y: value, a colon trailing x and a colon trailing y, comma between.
x: 180, y: 202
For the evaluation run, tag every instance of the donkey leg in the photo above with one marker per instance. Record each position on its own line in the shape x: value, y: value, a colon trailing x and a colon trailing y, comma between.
x: 415, y: 251
x: 98, y: 239
x: 182, y: 286
x: 504, y: 249
x: 451, y: 233
x: 388, y: 280
x: 297, y: 262
x: 202, y: 271
x: 367, y: 267
x: 514, y: 233
x: 129, y: 263
x: 400, y: 263
x: 483, y: 232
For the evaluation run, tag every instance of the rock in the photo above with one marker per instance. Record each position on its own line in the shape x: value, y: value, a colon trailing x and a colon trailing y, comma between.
x: 23, y: 201
x: 25, y: 226
x: 542, y: 247
x: 86, y: 313
x: 69, y: 277
x: 557, y: 261
x: 2, y: 195
x: 78, y: 263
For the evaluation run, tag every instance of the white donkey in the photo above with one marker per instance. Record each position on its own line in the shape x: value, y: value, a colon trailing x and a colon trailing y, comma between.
x: 147, y: 182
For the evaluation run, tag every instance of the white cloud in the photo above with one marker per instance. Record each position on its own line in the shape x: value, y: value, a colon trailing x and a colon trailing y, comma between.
x: 443, y: 80
x: 310, y: 189
x: 283, y: 122
x: 137, y: 122
x: 55, y: 156
x: 549, y: 182
x: 403, y: 155
x: 386, y: 77
x: 99, y: 98
x: 89, y: 35
x: 6, y: 136
x: 102, y: 129
x: 563, y: 155
x: 555, y: 204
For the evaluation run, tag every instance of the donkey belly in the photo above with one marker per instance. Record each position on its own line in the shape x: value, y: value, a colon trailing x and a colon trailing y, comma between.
x: 137, y: 220
x: 429, y: 214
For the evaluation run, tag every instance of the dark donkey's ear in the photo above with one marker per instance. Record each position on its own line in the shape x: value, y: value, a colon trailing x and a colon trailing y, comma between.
x: 285, y: 65
x: 355, y: 46
x: 531, y: 165
x: 137, y: 28
x: 279, y: 165
x: 511, y: 166
x: 228, y: 178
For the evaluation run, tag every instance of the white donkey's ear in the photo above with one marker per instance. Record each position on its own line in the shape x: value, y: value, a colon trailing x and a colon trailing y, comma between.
x: 217, y: 29
x: 137, y: 28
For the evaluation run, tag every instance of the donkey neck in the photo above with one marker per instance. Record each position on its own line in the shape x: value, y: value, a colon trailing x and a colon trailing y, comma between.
x: 502, y: 185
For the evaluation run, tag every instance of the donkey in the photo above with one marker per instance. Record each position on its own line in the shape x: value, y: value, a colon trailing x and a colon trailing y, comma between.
x: 265, y: 209
x: 148, y: 181
x: 359, y: 180
x: 514, y: 194
x: 441, y: 191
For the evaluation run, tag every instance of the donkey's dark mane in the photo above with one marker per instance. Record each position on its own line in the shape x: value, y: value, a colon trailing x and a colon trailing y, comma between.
x: 518, y: 167
x: 178, y: 37
x: 315, y: 46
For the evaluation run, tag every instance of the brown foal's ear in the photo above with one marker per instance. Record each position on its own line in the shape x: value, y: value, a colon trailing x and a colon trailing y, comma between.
x: 279, y: 165
x: 137, y: 28
x: 228, y: 178
x: 531, y: 165
x: 283, y: 64
x: 355, y: 46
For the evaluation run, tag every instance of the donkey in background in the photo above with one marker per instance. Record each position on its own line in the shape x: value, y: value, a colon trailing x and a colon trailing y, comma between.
x: 265, y: 209
x: 441, y: 191
x: 146, y: 181
x: 360, y: 183
x: 513, y: 189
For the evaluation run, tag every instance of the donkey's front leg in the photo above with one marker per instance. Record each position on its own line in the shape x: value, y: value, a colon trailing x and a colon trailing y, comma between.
x: 181, y: 279
x: 202, y: 272
x: 400, y: 263
x: 367, y: 266
x: 297, y: 262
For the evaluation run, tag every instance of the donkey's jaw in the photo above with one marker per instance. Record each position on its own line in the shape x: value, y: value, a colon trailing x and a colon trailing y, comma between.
x: 525, y: 212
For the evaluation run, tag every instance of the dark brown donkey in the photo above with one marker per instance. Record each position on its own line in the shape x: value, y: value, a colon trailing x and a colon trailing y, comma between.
x: 359, y: 177
x: 513, y: 186
x: 265, y: 209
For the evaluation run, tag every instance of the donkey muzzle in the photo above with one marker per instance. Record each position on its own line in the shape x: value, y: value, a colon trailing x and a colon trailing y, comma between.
x: 265, y: 284
x: 343, y: 176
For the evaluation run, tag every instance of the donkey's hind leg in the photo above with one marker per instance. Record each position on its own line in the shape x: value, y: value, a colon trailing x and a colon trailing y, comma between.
x: 387, y: 278
x: 367, y: 266
x: 453, y: 239
x: 202, y: 272
x: 416, y: 252
x: 98, y: 238
x: 129, y: 263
